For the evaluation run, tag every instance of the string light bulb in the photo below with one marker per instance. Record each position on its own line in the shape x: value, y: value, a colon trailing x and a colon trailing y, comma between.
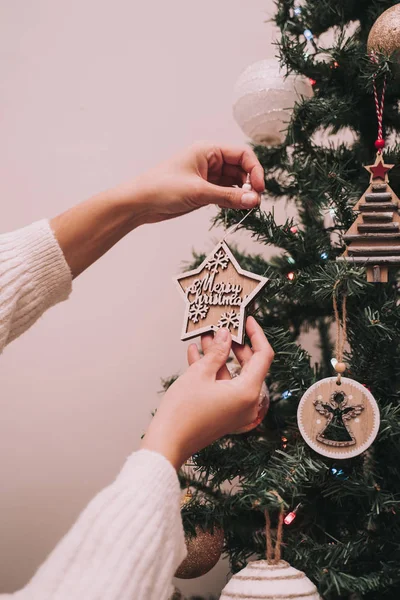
x: 293, y: 229
x: 286, y: 394
x: 290, y: 517
x: 339, y: 473
x: 308, y: 34
x: 290, y: 276
x: 297, y: 11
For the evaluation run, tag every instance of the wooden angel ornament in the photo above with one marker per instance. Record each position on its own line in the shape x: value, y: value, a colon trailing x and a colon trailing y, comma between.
x: 338, y: 418
x: 336, y: 431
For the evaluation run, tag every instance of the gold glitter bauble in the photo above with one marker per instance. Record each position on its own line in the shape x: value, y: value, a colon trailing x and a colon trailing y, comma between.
x: 204, y: 552
x: 264, y: 581
x: 385, y: 33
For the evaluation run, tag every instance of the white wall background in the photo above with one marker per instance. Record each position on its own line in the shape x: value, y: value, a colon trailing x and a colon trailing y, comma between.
x: 93, y: 92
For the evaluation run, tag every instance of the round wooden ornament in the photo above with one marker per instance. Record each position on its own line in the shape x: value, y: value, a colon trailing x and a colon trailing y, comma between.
x: 338, y: 420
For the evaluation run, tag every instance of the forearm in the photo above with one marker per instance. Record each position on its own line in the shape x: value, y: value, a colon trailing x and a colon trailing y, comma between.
x: 88, y: 230
x: 33, y: 276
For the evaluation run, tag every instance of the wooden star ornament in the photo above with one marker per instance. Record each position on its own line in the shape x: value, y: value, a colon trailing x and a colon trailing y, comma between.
x: 217, y: 294
x: 379, y: 170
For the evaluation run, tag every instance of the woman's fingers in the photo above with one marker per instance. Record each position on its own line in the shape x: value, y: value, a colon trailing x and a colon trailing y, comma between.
x: 242, y: 352
x: 255, y: 368
x: 246, y: 158
x: 235, y: 172
x: 193, y: 354
x: 217, y: 353
x: 206, y: 343
x: 227, y: 197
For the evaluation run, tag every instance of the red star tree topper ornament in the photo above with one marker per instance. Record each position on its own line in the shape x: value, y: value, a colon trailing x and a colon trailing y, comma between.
x: 379, y: 170
x: 374, y: 237
x: 217, y: 294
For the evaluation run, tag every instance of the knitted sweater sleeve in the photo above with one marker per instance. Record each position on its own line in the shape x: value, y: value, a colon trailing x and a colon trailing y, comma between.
x: 129, y: 541
x: 34, y: 275
x: 126, y: 545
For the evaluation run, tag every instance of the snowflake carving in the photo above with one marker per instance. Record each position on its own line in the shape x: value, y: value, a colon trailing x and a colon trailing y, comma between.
x: 229, y: 319
x: 220, y: 259
x: 198, y: 310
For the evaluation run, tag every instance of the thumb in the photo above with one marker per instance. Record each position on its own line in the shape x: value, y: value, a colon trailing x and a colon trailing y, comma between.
x: 218, y: 352
x: 229, y: 197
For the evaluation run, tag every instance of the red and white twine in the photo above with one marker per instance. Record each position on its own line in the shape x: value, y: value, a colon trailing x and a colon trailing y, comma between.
x: 379, y: 109
x: 379, y: 106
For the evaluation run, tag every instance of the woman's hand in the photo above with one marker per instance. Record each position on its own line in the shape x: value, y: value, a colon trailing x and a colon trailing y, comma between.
x: 203, y: 174
x: 205, y: 403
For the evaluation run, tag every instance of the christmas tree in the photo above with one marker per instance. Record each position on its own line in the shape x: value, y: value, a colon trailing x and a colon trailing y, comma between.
x: 345, y: 534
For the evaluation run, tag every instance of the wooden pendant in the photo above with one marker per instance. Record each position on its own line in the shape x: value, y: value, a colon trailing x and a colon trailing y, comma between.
x: 217, y: 294
x: 374, y: 237
x: 338, y: 421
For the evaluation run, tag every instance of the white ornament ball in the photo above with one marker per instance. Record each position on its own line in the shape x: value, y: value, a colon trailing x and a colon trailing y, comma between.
x: 264, y: 99
x: 261, y: 580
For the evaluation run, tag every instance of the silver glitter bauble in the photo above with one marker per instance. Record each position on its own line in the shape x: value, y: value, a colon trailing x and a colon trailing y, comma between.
x: 385, y: 33
x: 261, y: 580
x: 264, y: 100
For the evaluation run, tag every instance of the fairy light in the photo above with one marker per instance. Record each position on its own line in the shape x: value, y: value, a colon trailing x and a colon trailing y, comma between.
x: 290, y: 517
x: 308, y: 34
x: 284, y: 441
x: 290, y: 276
x: 293, y: 229
x: 338, y: 473
x: 312, y: 81
x: 324, y: 255
x: 286, y: 394
x: 291, y: 260
x: 297, y: 11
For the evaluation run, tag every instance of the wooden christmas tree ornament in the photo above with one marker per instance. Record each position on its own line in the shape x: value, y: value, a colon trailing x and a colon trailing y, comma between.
x: 217, y: 294
x: 374, y: 237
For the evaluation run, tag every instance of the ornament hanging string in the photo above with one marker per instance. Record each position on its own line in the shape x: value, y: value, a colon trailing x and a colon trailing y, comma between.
x: 379, y: 106
x: 236, y: 226
x: 341, y: 328
x: 274, y: 553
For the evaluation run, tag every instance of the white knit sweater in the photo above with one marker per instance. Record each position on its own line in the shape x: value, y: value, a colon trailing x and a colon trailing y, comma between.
x: 129, y: 541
